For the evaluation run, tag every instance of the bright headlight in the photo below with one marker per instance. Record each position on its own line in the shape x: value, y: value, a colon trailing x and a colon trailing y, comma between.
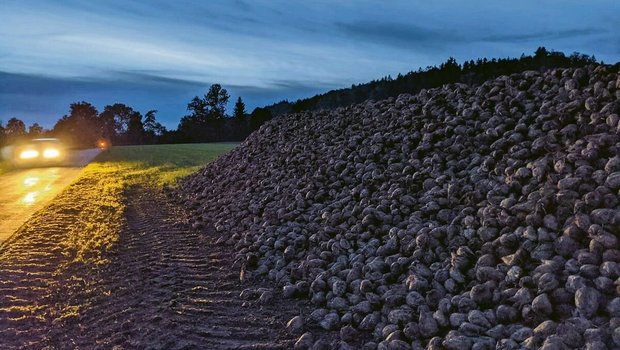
x: 51, y: 153
x: 28, y: 154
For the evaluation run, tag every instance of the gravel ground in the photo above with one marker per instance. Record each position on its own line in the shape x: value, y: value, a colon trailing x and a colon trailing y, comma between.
x: 163, y: 286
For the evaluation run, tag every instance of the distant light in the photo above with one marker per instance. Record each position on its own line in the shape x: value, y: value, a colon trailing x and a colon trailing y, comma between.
x: 29, y: 154
x: 51, y: 153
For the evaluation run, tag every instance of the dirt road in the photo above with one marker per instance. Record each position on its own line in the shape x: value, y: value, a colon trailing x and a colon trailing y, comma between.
x: 24, y: 191
x: 171, y: 288
x: 164, y: 286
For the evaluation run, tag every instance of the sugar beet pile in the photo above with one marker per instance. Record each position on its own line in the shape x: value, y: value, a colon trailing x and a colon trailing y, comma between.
x: 461, y: 217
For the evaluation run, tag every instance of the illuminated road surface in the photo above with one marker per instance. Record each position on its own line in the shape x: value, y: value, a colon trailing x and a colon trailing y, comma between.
x: 24, y: 191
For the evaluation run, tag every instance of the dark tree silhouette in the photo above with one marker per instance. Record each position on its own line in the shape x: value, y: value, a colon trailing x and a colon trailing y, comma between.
x: 198, y: 107
x: 216, y: 100
x: 15, y: 129
x: 135, y: 129
x: 205, y: 122
x: 108, y: 124
x: 115, y: 119
x: 239, y: 111
x: 152, y: 128
x: 35, y: 130
x: 541, y: 52
x: 211, y: 106
x: 122, y: 124
x: 259, y: 116
x: 81, y: 127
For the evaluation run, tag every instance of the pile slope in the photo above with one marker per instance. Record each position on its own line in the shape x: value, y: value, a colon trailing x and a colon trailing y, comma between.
x: 460, y: 217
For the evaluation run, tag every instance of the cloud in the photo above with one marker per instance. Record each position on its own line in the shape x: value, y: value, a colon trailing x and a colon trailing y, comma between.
x: 153, y: 78
x: 15, y: 83
x: 545, y: 35
x: 409, y: 36
x: 400, y: 35
x: 44, y: 99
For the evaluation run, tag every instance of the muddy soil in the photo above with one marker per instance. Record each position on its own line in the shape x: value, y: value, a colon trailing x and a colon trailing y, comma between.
x: 164, y: 286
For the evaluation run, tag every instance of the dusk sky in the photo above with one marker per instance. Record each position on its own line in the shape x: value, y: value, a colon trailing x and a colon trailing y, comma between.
x: 159, y: 54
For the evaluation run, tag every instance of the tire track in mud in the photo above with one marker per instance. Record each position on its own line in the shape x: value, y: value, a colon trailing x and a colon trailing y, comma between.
x: 29, y: 268
x: 167, y: 287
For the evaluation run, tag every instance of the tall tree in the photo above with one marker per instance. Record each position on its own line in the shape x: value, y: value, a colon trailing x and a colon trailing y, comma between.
x: 152, y: 128
x: 81, y: 127
x: 135, y: 129
x: 35, y: 130
x: 540, y: 52
x: 212, y: 105
x: 122, y: 124
x: 216, y: 100
x: 15, y: 128
x: 109, y: 124
x: 206, y: 118
x: 198, y: 107
x: 116, y: 118
x: 239, y: 111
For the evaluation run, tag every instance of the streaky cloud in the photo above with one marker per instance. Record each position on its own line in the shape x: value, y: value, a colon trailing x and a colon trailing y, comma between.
x: 545, y: 35
x: 153, y: 77
x: 398, y: 34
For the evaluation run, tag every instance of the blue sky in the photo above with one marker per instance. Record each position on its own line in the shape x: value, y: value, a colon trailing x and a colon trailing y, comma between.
x: 159, y: 54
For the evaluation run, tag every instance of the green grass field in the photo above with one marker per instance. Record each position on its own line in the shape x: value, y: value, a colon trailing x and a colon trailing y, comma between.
x: 160, y: 164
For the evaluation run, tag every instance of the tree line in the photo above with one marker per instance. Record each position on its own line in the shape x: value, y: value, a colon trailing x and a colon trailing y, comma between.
x: 207, y: 120
x: 470, y: 72
x: 120, y: 124
x: 85, y: 125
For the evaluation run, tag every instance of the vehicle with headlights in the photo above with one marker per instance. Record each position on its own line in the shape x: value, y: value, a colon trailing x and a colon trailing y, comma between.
x: 38, y: 152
